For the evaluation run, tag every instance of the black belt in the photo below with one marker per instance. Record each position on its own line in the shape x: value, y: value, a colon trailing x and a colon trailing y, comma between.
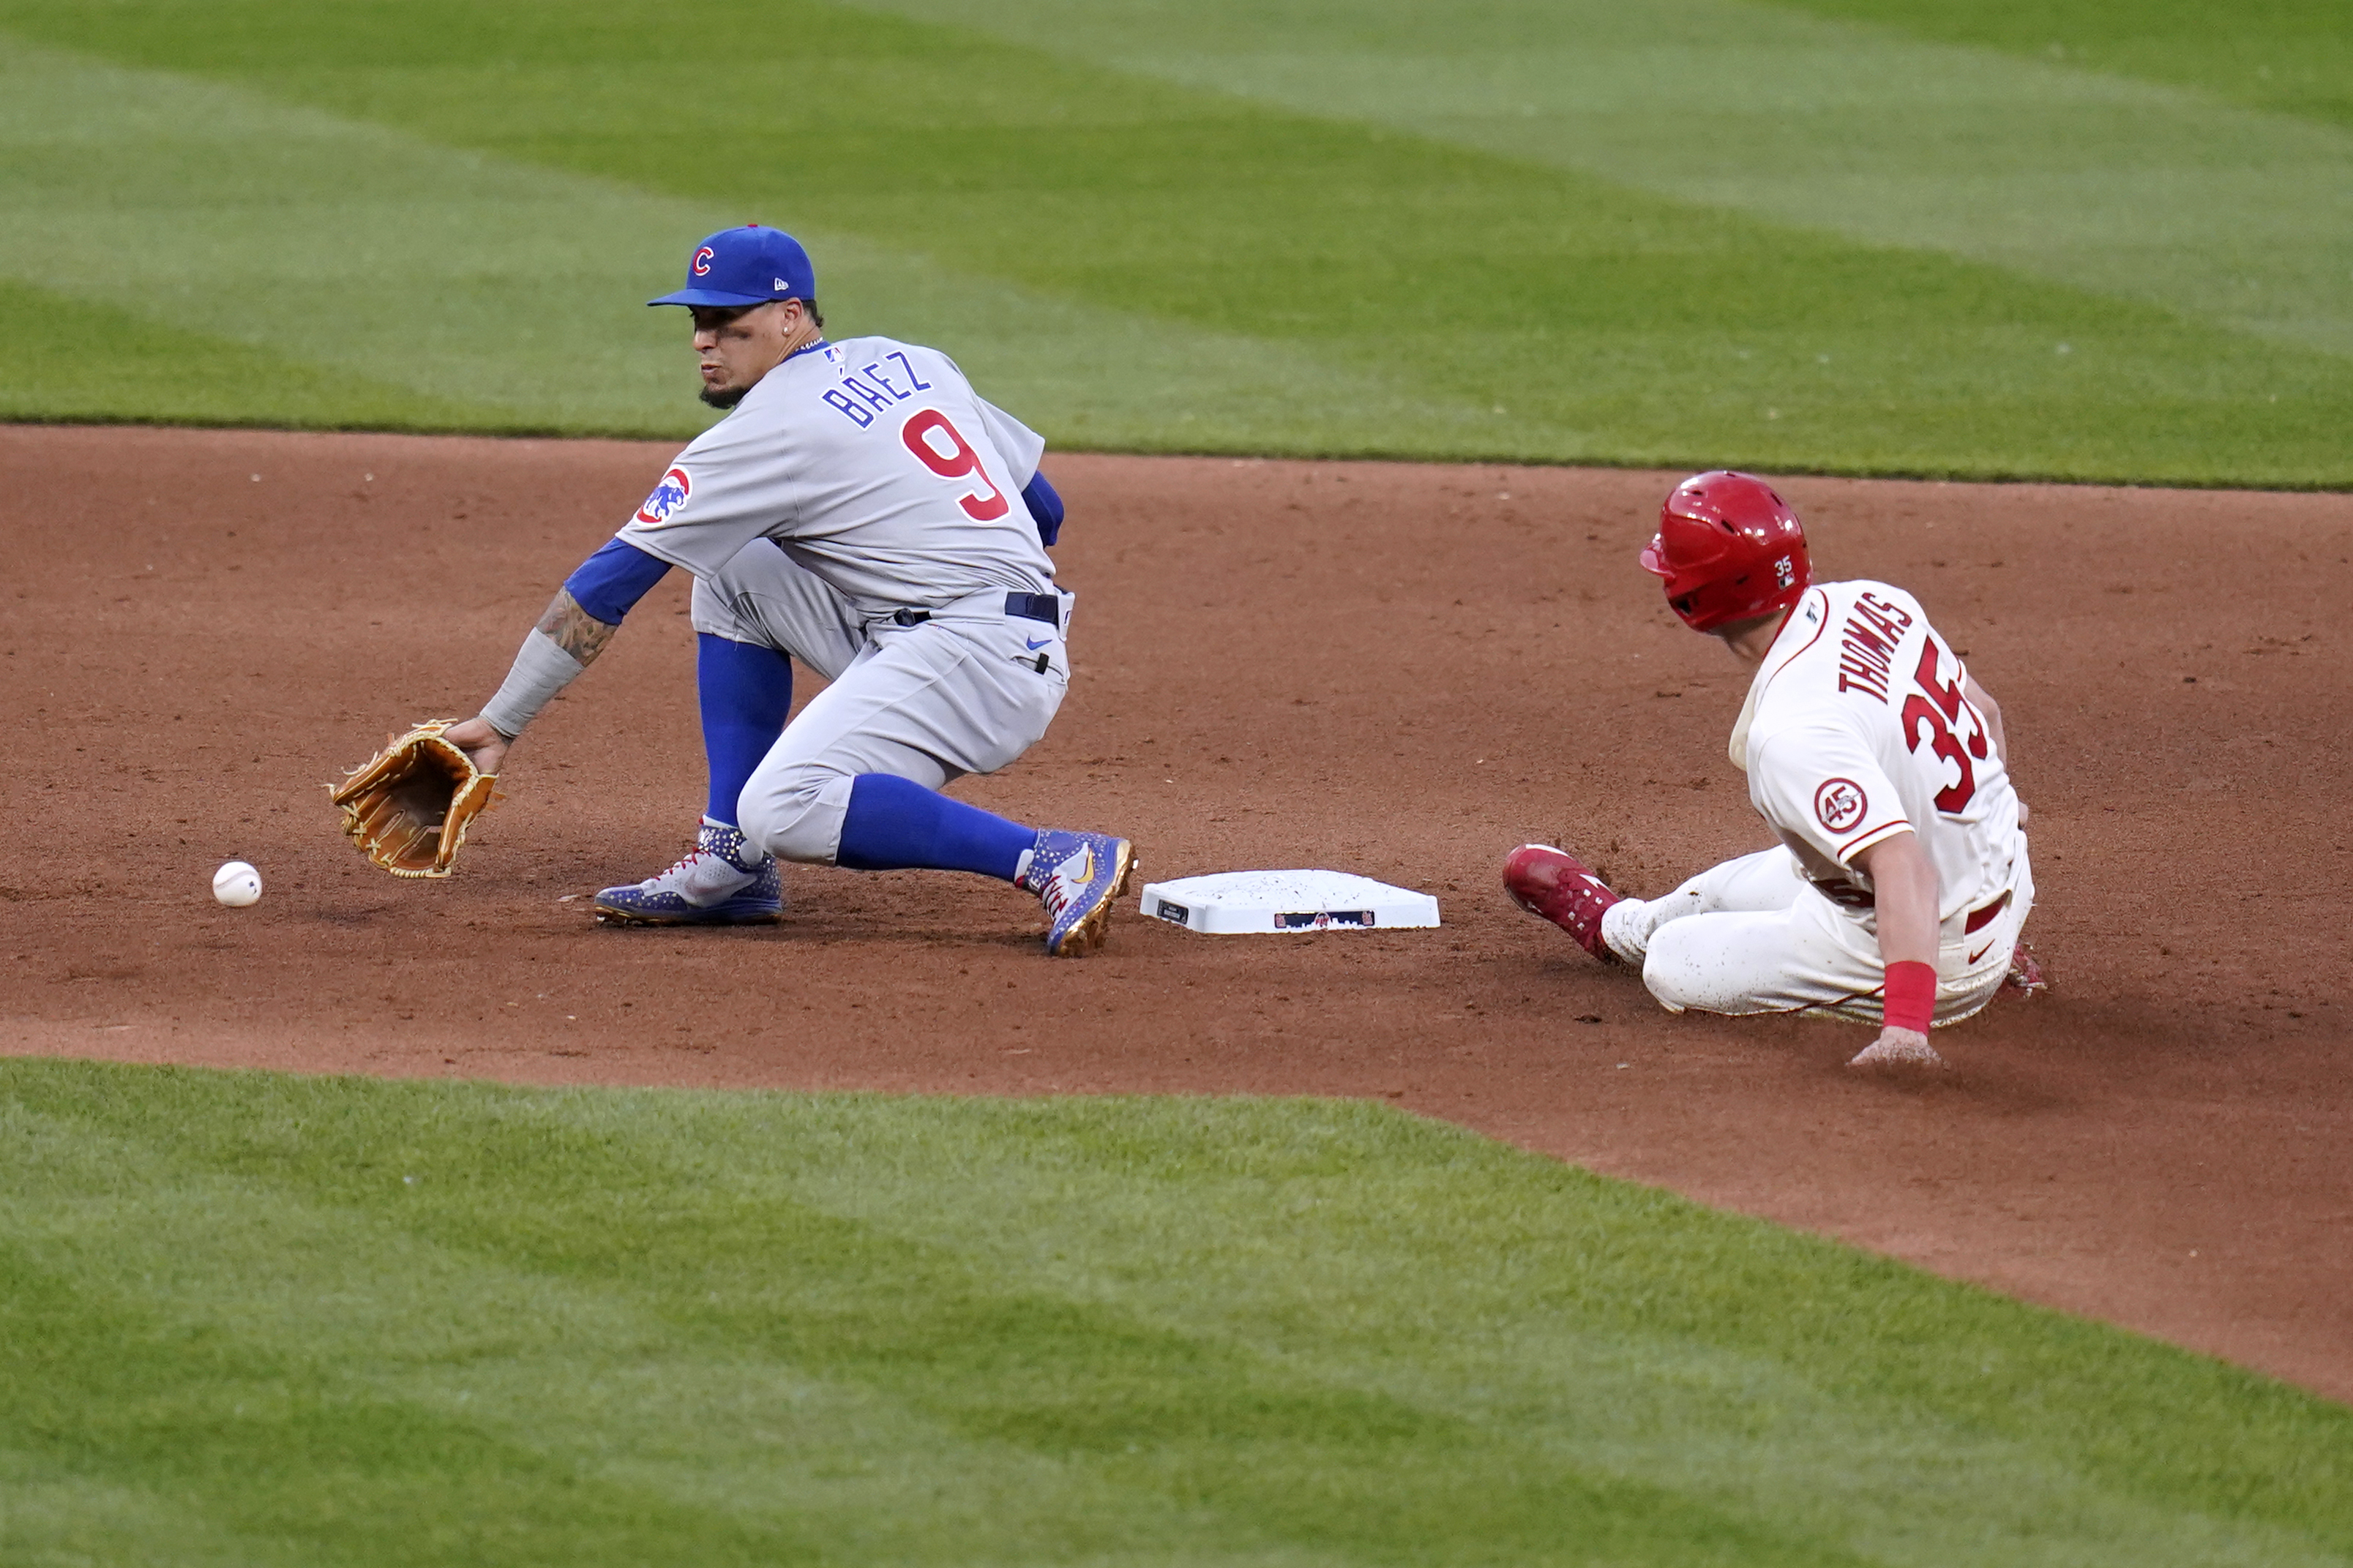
x: 1045, y: 608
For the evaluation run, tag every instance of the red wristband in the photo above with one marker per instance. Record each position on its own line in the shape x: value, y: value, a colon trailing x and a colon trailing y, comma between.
x: 1911, y: 996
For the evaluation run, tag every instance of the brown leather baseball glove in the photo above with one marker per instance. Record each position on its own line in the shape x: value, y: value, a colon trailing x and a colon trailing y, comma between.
x: 408, y: 808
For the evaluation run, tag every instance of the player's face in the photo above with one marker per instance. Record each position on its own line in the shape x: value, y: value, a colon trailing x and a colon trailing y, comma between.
x: 736, y: 348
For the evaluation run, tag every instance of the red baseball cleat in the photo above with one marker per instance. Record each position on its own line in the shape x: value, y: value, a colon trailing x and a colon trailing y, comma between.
x: 2025, y: 975
x: 1544, y: 882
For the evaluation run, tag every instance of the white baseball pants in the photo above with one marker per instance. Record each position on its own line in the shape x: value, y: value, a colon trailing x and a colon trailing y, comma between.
x: 959, y: 693
x: 1753, y: 935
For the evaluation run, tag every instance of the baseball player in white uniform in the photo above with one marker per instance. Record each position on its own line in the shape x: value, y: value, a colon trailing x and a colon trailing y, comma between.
x: 1901, y: 882
x: 862, y: 510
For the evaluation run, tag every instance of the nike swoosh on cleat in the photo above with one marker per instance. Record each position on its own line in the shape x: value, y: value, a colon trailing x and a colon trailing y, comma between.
x: 1034, y: 644
x: 1981, y: 953
x: 1086, y: 867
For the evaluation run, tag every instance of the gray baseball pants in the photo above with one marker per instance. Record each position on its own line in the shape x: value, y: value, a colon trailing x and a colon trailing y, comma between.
x: 959, y: 693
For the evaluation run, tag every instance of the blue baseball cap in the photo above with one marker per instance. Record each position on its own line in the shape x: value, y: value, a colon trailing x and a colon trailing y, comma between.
x: 746, y: 266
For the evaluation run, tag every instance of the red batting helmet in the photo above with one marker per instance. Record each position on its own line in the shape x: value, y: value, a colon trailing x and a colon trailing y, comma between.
x: 1729, y: 549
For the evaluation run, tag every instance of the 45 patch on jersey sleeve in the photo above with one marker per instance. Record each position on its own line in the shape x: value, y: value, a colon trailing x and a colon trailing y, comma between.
x: 1839, y: 806
x: 667, y: 498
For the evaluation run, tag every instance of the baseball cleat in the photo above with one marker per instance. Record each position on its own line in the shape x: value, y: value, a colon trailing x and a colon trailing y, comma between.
x: 1076, y: 876
x: 712, y: 886
x: 1545, y: 882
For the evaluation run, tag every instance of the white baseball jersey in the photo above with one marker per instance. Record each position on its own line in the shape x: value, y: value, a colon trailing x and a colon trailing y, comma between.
x: 1856, y: 729
x: 872, y: 464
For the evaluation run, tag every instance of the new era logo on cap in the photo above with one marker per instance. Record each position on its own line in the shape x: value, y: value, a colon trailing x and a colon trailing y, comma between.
x: 746, y: 266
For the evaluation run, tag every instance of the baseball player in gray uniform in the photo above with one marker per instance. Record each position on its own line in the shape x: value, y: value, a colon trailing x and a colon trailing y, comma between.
x: 862, y: 510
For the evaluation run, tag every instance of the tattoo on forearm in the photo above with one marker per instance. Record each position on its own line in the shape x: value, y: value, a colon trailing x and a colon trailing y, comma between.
x: 574, y: 629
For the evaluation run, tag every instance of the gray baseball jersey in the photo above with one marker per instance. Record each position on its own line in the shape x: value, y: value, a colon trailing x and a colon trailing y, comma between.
x: 874, y: 466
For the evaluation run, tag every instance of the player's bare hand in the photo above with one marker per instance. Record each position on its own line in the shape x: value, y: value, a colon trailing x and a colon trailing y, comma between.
x: 1902, y: 1050
x: 483, y: 745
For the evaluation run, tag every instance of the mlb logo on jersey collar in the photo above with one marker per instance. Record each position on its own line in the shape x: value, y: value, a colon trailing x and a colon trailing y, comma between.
x: 746, y: 266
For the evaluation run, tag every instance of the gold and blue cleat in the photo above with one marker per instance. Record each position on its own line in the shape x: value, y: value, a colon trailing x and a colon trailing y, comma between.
x: 1077, y: 876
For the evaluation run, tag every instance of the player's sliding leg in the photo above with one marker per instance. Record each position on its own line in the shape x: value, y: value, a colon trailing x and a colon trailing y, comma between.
x: 1557, y: 885
x: 1737, y: 939
x: 1812, y: 956
x: 854, y: 781
x: 1752, y: 935
x: 745, y: 692
x: 1808, y: 956
x: 1758, y: 883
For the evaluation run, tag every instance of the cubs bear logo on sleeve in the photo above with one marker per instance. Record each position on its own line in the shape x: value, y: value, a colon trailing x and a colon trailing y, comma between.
x: 667, y: 498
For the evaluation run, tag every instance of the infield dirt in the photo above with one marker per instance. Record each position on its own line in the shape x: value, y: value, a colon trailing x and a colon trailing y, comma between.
x: 1399, y: 670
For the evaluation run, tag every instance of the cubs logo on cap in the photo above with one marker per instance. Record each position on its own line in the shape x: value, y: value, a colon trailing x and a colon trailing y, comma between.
x: 668, y: 497
x: 746, y: 266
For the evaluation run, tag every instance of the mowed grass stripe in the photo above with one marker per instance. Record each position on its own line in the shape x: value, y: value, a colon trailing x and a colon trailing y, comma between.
x: 1394, y: 293
x: 2087, y: 179
x: 993, y: 1366
x: 246, y: 260
x: 454, y: 1403
x: 63, y: 358
x: 760, y: 1327
x: 1655, y: 1330
x: 334, y: 243
x: 2286, y: 57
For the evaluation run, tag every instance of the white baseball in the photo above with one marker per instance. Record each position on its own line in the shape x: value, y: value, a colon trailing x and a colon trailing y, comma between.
x: 237, y: 884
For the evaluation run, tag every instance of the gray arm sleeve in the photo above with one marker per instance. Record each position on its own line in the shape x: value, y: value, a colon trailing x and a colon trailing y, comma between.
x: 541, y: 671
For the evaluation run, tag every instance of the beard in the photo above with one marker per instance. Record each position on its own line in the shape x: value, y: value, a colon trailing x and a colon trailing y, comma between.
x: 723, y: 398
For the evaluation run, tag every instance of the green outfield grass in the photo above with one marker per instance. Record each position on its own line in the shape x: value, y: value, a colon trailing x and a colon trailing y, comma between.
x: 253, y: 1320
x: 1861, y: 237
x: 2292, y: 57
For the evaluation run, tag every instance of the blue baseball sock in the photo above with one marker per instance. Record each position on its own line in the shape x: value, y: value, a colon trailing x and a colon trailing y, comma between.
x: 896, y: 824
x: 748, y: 691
